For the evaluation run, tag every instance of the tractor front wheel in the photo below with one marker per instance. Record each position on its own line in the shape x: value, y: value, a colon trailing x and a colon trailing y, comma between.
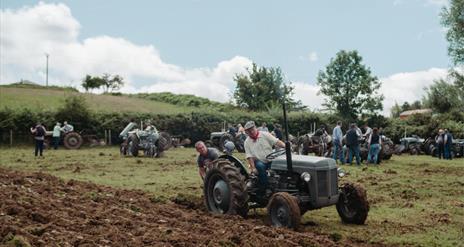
x: 352, y: 205
x: 283, y: 210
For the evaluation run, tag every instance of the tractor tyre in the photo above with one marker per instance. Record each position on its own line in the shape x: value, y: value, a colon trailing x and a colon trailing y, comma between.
x: 167, y: 142
x: 303, y: 145
x: 123, y: 148
x: 283, y: 211
x: 352, y: 205
x: 224, y: 138
x: 72, y: 140
x: 225, y: 190
x: 133, y: 145
x: 387, y: 152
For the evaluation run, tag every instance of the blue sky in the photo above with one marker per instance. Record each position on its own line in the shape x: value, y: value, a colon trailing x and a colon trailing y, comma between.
x: 194, y: 42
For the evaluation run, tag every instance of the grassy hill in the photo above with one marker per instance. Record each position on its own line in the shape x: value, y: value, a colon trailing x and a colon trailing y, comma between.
x: 41, y: 98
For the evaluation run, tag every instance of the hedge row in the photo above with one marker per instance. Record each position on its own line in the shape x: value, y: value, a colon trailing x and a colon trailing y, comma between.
x: 198, y: 125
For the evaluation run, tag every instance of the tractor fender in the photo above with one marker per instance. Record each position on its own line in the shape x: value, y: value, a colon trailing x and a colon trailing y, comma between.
x: 237, y: 163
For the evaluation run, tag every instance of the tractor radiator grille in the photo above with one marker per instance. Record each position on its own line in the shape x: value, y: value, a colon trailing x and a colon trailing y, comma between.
x: 327, y: 183
x: 322, y: 183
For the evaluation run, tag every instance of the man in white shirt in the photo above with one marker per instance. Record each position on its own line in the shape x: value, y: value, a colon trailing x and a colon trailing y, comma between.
x: 257, y: 146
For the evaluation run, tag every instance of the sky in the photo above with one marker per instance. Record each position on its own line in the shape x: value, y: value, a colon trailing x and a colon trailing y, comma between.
x: 197, y: 46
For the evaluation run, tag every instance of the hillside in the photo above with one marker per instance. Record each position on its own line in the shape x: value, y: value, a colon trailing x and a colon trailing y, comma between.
x: 52, y: 98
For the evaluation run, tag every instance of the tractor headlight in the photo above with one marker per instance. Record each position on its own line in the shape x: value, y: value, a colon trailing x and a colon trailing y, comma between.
x: 341, y: 172
x: 306, y: 176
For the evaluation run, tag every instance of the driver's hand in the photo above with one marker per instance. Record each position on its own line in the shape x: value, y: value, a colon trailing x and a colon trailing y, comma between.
x: 254, y: 171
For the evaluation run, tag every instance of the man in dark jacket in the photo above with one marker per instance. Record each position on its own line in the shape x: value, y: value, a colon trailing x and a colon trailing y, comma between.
x: 448, y: 140
x: 353, y: 144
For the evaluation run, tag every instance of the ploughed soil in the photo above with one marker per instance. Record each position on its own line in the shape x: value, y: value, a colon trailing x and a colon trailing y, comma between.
x: 39, y: 209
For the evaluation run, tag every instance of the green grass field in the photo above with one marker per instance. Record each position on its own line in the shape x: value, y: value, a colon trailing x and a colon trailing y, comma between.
x: 52, y: 99
x: 415, y: 200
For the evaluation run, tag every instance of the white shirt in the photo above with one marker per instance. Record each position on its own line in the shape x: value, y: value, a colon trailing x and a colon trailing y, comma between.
x: 260, y: 147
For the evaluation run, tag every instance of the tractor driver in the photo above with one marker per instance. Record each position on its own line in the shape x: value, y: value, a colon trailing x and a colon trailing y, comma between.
x: 205, y: 158
x: 257, y: 146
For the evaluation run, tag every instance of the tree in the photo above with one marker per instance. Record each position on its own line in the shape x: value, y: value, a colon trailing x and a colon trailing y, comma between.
x: 443, y: 96
x: 111, y: 84
x: 453, y: 19
x: 396, y: 110
x: 90, y: 82
x: 263, y: 89
x: 405, y: 106
x: 349, y: 86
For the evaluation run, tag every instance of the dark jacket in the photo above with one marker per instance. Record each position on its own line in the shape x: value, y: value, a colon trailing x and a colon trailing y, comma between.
x: 352, y: 138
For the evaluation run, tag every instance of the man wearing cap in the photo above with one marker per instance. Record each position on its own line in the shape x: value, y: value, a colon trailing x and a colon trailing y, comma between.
x: 257, y: 146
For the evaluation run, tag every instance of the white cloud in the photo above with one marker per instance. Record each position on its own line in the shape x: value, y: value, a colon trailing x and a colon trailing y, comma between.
x: 311, y: 57
x: 30, y: 32
x: 307, y: 93
x: 407, y: 86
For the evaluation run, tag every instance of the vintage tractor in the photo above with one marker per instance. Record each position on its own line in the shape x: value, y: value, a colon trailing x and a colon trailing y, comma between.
x: 218, y: 139
x: 320, y: 145
x: 152, y: 142
x: 296, y: 184
x: 412, y: 145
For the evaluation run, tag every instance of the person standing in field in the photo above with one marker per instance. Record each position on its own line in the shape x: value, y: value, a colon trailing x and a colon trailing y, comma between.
x: 337, y: 135
x: 39, y: 135
x: 374, y: 143
x: 56, y: 135
x: 440, y: 141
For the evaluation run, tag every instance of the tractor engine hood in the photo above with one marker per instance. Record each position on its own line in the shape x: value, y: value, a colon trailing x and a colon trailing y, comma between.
x: 302, y: 163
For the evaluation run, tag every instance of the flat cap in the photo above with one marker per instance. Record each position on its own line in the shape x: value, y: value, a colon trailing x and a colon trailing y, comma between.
x: 249, y: 125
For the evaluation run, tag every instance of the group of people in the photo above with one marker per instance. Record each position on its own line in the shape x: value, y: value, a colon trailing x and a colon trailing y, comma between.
x: 39, y: 132
x: 444, y: 142
x: 352, y: 138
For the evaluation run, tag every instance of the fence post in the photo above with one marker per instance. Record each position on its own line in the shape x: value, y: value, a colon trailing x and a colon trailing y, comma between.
x: 106, y: 137
x: 109, y: 137
x: 11, y: 138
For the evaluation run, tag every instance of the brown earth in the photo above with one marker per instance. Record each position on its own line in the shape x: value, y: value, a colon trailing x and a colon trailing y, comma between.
x: 43, y: 210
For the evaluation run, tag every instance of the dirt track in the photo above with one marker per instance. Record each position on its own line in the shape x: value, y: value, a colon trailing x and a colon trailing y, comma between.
x: 43, y: 210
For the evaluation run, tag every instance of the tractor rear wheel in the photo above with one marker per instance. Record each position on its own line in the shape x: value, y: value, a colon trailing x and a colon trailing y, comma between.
x: 283, y: 210
x: 352, y: 205
x: 133, y: 145
x: 225, y: 189
x: 72, y: 140
x: 165, y: 141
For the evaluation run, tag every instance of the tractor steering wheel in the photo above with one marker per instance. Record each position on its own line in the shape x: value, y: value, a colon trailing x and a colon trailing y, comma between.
x: 275, y: 154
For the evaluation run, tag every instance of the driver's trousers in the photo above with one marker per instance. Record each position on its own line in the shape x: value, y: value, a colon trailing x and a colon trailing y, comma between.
x: 262, y: 176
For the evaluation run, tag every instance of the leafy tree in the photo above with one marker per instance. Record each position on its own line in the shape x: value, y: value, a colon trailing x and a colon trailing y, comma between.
x: 443, y: 96
x: 405, y: 106
x: 112, y: 83
x: 453, y: 19
x: 263, y: 89
x: 416, y: 105
x: 90, y: 82
x: 349, y: 85
x: 396, y: 110
x: 76, y: 111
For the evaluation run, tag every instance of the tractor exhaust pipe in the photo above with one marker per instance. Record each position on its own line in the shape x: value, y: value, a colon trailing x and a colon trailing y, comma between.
x: 288, y: 152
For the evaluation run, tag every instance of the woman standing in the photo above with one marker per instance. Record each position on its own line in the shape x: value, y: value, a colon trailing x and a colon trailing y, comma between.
x: 374, y: 143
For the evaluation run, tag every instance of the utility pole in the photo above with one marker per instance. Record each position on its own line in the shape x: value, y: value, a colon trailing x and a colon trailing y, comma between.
x: 46, y: 81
